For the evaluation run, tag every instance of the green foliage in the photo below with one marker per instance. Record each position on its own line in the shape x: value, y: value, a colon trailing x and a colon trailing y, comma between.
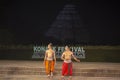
x: 93, y: 53
x: 102, y: 55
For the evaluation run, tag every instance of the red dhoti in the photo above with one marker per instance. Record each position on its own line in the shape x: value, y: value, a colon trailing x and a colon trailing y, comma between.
x: 67, y: 69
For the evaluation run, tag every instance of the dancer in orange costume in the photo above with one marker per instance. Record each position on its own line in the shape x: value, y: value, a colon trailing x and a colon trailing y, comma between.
x: 67, y: 64
x: 49, y: 61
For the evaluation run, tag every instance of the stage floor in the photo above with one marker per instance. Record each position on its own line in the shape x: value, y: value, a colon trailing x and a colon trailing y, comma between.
x: 39, y: 64
x: 33, y: 77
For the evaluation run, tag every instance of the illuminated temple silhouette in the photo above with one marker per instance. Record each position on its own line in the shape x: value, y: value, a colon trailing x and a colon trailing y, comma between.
x: 68, y: 26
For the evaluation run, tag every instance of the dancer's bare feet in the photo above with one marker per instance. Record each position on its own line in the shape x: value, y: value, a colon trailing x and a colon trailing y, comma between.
x: 70, y: 78
x: 62, y: 78
x: 48, y: 77
x: 51, y: 77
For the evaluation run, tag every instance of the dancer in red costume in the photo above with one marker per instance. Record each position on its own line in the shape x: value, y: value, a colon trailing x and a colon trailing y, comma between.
x: 67, y: 64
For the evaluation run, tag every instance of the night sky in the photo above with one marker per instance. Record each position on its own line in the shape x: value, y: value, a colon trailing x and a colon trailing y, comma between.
x: 27, y: 21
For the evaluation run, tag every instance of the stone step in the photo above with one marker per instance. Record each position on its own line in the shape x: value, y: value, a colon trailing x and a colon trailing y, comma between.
x: 76, y: 72
x: 59, y: 69
x: 84, y: 74
x: 36, y: 68
x: 38, y: 77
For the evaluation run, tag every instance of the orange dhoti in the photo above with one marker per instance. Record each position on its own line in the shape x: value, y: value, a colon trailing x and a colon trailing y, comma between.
x: 49, y: 66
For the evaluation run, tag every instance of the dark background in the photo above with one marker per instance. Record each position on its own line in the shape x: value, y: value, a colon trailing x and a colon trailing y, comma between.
x: 27, y: 21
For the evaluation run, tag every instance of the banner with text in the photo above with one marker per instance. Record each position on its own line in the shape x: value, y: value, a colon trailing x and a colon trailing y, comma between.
x: 39, y: 51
